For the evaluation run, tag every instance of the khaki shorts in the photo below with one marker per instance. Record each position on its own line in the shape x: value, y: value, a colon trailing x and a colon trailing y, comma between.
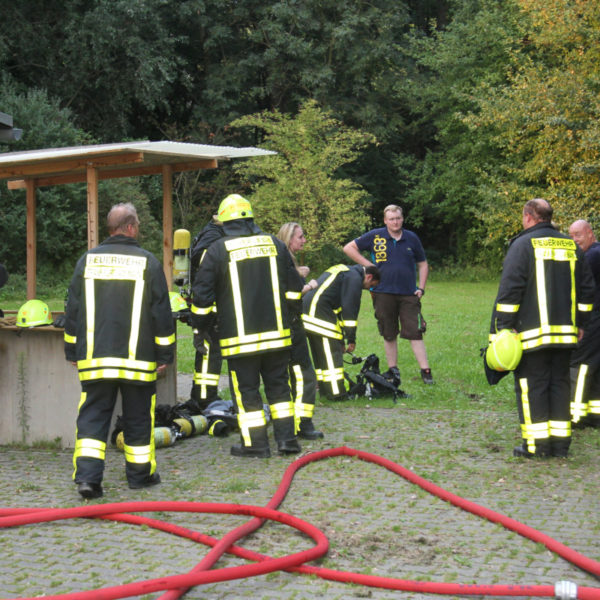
x: 393, y: 308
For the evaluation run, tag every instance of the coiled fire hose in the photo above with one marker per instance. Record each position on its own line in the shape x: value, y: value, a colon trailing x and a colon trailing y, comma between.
x: 177, y: 585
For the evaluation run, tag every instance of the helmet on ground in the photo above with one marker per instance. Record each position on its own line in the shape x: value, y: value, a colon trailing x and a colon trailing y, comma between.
x: 177, y: 302
x: 234, y: 207
x: 505, y: 351
x: 33, y: 314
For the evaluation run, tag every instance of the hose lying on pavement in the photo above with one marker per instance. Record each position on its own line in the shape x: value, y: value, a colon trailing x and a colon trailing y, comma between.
x: 177, y: 585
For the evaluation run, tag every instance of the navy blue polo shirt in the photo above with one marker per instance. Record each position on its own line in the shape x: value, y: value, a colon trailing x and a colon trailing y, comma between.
x: 396, y: 260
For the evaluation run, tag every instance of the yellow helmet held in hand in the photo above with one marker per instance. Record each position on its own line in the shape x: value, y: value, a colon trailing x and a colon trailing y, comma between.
x: 33, y: 314
x: 177, y: 302
x: 505, y: 351
x: 234, y: 207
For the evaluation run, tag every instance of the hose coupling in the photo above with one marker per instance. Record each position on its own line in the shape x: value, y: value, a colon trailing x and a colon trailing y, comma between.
x: 565, y: 590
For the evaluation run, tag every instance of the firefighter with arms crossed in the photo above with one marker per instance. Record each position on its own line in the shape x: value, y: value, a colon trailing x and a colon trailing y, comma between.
x: 545, y: 295
x: 119, y: 331
x: 250, y: 277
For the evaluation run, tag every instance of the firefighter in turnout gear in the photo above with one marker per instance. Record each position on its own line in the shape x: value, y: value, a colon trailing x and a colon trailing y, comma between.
x: 119, y: 332
x: 330, y: 313
x: 208, y: 360
x: 250, y: 277
x: 545, y: 295
x: 585, y: 360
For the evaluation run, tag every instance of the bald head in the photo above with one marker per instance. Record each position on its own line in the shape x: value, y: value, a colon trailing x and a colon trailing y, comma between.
x: 122, y: 219
x: 582, y: 234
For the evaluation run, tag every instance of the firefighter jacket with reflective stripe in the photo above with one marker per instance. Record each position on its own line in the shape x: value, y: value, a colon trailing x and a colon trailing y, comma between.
x: 546, y: 290
x: 251, y: 278
x: 331, y: 310
x: 118, y: 316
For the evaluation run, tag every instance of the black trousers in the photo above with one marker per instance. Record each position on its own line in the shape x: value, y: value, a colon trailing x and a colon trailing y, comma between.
x: 303, y: 379
x: 245, y: 374
x: 542, y: 391
x: 585, y: 384
x: 96, y: 407
x: 207, y: 370
x: 329, y: 365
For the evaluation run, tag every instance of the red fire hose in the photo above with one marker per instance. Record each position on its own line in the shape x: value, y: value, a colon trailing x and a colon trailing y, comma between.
x: 177, y: 585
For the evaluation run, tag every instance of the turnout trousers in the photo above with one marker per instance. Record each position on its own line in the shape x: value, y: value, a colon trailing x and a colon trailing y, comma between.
x: 245, y: 373
x: 542, y: 391
x: 303, y: 379
x: 207, y: 370
x: 96, y: 407
x: 328, y: 359
x: 585, y: 375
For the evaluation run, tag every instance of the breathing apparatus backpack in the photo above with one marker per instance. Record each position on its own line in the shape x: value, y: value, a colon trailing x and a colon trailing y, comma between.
x: 371, y: 383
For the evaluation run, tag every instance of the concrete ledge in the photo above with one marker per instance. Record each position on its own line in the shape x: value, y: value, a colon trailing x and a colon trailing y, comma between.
x: 40, y: 390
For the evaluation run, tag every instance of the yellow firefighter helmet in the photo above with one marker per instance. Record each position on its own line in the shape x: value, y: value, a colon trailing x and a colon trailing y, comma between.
x: 234, y: 207
x: 505, y: 351
x: 33, y: 314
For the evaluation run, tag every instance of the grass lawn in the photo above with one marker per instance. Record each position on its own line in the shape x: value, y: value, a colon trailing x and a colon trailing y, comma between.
x: 457, y: 315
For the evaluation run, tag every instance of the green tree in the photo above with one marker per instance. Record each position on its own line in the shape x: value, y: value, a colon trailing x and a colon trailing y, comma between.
x: 301, y: 183
x: 452, y: 66
x: 546, y: 120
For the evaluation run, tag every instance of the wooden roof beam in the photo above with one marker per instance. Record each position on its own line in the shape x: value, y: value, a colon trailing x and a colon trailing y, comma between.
x: 63, y: 166
x: 19, y: 184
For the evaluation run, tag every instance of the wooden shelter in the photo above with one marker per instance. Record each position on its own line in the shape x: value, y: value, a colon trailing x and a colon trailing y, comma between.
x: 36, y: 382
x: 56, y: 166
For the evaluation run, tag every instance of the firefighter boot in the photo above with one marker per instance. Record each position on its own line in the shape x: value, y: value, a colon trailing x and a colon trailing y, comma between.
x: 259, y: 444
x: 285, y: 437
x: 308, y: 431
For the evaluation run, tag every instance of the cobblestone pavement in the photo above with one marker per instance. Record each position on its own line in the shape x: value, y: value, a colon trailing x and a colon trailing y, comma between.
x: 376, y: 522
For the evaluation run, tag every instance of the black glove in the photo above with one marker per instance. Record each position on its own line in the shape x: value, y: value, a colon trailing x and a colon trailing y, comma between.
x: 60, y: 321
x: 199, y: 345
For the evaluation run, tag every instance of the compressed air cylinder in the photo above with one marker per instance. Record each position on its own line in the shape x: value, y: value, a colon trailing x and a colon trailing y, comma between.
x: 181, y: 256
x: 193, y: 425
x: 163, y: 436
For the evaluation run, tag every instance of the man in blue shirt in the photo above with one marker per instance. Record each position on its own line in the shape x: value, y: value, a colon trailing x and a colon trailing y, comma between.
x: 399, y: 255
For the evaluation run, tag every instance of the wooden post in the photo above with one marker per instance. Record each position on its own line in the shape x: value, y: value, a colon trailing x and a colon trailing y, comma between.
x: 167, y: 181
x: 92, y: 206
x: 31, y: 239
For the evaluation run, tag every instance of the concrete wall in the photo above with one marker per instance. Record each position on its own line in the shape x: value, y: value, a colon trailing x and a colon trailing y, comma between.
x: 40, y: 390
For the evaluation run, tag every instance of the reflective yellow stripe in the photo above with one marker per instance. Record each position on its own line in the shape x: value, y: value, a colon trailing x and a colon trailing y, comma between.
x: 594, y: 407
x: 90, y: 307
x: 507, y: 308
x: 293, y: 295
x: 322, y: 327
x: 70, y: 339
x: 560, y: 428
x: 585, y: 307
x: 348, y: 323
x: 137, y: 454
x: 165, y: 341
x: 579, y: 408
x: 197, y: 310
x: 299, y: 379
x: 550, y: 339
x: 117, y: 374
x: 304, y: 410
x: 332, y: 375
x: 526, y: 415
x: 136, y: 315
x: 108, y: 361
x: 281, y: 410
x: 261, y: 346
x: 333, y: 271
x: 90, y: 448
